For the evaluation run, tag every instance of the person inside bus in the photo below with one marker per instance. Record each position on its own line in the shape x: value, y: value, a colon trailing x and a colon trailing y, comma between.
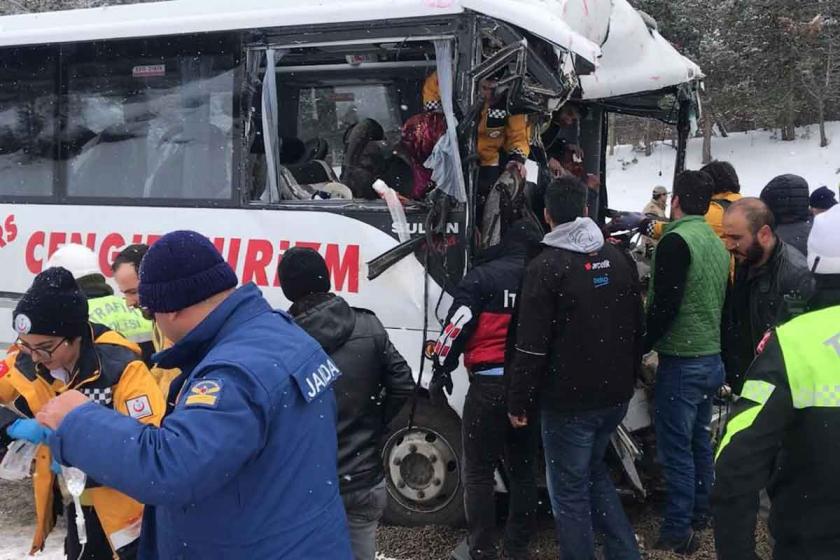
x: 59, y: 350
x: 503, y: 138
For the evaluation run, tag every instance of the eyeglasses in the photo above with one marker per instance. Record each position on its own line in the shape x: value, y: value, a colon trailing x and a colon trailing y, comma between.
x: 40, y: 354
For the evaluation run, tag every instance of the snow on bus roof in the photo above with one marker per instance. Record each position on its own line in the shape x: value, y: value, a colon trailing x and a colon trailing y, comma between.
x: 636, y: 59
x: 577, y: 25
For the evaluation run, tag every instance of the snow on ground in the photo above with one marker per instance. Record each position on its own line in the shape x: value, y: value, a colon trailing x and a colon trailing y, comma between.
x: 16, y: 547
x: 756, y: 155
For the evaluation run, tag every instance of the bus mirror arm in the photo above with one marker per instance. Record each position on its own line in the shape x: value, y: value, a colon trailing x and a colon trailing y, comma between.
x: 436, y: 221
x: 389, y: 258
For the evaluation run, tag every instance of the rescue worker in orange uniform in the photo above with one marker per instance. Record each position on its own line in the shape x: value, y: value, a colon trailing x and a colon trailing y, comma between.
x: 500, y: 133
x: 57, y: 350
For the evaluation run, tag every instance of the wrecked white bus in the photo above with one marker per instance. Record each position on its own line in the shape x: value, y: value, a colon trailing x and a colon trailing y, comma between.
x: 120, y: 124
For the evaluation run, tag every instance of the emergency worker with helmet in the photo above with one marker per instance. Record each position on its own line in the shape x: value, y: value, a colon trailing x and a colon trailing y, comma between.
x: 60, y: 350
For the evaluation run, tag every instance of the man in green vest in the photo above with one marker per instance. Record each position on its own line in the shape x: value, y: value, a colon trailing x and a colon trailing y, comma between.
x: 687, y: 290
x: 103, y: 306
x: 784, y: 431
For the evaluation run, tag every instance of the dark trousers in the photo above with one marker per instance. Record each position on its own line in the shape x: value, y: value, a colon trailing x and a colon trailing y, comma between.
x: 364, y: 509
x: 684, y: 391
x: 488, y: 440
x: 97, y: 546
x: 583, y: 497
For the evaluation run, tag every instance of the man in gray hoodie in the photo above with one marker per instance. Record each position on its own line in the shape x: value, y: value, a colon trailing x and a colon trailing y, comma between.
x: 578, y: 345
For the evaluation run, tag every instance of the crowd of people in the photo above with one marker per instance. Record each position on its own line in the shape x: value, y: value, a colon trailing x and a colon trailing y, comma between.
x: 553, y: 326
x: 210, y: 425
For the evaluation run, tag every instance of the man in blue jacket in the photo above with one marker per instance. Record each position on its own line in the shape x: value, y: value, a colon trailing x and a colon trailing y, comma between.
x: 244, y: 463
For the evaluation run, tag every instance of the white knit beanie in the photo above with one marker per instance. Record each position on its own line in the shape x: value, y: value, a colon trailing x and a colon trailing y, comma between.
x: 824, y: 243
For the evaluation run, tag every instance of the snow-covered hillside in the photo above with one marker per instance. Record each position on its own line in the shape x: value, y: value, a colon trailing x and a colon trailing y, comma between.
x: 756, y: 155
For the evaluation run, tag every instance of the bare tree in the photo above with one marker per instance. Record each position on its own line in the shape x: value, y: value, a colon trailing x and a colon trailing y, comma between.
x: 819, y: 63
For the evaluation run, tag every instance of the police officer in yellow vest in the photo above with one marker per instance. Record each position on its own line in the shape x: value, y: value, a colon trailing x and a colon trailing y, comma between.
x: 126, y: 268
x: 105, y: 308
x: 784, y: 432
x: 58, y: 350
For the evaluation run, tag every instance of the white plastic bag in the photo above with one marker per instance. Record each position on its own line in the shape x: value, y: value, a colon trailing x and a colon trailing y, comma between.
x: 395, y: 207
x: 17, y: 463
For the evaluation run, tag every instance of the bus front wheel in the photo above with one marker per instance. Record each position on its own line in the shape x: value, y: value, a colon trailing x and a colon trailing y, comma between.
x: 423, y: 468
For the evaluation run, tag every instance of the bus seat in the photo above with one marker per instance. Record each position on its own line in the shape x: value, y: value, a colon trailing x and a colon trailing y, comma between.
x: 316, y: 148
x: 312, y: 172
x: 292, y: 151
x: 358, y: 137
x: 337, y: 191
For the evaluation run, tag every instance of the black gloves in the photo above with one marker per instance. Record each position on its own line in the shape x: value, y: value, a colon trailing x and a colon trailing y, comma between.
x: 441, y: 381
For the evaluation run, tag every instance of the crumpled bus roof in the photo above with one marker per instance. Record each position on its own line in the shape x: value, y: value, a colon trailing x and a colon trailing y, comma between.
x: 636, y: 59
x: 577, y: 25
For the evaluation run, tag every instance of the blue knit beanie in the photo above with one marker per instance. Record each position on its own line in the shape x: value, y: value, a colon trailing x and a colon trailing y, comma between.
x: 181, y: 269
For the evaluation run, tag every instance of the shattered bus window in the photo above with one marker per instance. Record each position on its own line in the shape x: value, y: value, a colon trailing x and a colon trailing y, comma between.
x: 329, y: 112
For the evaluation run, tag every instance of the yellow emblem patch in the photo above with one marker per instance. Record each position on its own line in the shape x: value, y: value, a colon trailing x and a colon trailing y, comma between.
x: 204, y: 393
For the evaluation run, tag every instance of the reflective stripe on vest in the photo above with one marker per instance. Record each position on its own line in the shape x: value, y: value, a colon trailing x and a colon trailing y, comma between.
x: 811, y: 349
x: 112, y: 312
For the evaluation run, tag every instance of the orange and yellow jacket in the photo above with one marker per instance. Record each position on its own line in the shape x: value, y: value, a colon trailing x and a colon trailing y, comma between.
x: 163, y: 376
x: 111, y: 373
x: 498, y: 130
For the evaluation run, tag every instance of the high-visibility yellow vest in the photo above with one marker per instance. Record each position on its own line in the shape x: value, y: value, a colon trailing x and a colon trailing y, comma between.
x: 811, y: 349
x: 112, y: 312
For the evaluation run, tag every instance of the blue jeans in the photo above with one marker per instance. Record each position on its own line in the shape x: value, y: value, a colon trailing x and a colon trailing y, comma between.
x: 581, y: 491
x: 684, y: 391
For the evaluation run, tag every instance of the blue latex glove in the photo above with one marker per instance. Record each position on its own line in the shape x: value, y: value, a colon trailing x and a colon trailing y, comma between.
x: 55, y: 467
x: 28, y: 429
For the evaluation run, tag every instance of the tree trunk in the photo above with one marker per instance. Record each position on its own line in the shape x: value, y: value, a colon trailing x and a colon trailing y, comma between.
x: 788, y: 121
x: 612, y: 133
x: 821, y: 116
x: 648, y: 143
x: 707, y: 136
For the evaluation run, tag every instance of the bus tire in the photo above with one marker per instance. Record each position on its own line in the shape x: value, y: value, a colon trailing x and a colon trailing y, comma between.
x: 423, y: 468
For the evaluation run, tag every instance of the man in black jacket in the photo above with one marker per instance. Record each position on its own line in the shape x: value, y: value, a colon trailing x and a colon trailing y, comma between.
x: 788, y: 197
x: 375, y: 383
x: 770, y: 277
x: 477, y: 328
x: 784, y: 431
x: 578, y: 347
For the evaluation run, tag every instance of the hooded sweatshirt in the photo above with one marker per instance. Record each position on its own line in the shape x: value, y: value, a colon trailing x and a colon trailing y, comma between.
x: 376, y: 381
x: 579, y: 325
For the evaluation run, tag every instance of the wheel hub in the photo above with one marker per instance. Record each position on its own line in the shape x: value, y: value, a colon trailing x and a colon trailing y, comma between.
x: 422, y: 470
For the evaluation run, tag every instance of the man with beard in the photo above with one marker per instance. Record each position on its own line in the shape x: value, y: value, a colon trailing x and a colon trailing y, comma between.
x: 770, y: 277
x: 782, y: 433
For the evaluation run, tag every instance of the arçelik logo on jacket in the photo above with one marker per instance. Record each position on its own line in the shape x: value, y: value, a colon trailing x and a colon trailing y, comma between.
x: 603, y: 265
